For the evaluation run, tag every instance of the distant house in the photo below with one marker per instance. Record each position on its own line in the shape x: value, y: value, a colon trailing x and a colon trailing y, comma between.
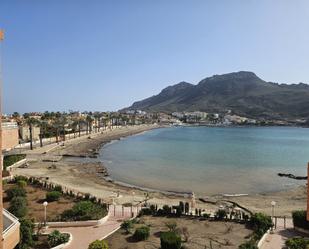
x: 9, y: 135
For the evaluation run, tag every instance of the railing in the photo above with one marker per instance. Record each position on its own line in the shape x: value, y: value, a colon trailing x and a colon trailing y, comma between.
x: 12, y: 218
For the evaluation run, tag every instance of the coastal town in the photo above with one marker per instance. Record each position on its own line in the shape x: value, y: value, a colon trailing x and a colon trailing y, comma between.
x: 37, y: 128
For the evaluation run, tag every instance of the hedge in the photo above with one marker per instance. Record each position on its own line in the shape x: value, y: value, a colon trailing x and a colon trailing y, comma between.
x: 53, y: 196
x: 9, y: 160
x: 300, y: 219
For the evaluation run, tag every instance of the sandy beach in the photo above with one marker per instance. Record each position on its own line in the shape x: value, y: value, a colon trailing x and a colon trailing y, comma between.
x: 65, y: 165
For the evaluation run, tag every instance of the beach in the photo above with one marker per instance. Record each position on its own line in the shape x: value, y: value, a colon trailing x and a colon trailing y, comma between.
x: 68, y: 166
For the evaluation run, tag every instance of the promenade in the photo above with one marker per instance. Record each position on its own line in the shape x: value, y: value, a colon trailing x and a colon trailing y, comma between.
x: 83, y: 236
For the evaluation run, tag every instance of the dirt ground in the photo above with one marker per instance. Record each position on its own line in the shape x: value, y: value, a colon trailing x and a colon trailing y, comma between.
x: 35, y: 198
x: 201, y: 234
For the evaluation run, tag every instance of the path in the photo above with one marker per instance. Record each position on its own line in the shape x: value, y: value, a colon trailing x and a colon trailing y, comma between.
x: 83, y: 236
x: 280, y: 235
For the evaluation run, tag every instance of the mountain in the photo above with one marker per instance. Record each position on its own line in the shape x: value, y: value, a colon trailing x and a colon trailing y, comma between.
x: 242, y: 92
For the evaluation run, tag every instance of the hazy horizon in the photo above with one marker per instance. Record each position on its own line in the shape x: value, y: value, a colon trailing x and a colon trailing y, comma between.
x: 78, y: 55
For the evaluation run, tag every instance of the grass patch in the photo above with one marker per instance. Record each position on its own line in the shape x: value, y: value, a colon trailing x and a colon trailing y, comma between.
x: 9, y: 160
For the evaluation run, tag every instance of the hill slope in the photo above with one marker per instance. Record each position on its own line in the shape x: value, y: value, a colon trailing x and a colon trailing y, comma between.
x: 242, y: 92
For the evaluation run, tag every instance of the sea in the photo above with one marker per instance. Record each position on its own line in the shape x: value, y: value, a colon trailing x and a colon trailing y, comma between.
x: 210, y: 160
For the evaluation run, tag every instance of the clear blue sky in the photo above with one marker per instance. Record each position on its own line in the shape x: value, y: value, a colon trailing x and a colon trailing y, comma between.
x: 103, y: 55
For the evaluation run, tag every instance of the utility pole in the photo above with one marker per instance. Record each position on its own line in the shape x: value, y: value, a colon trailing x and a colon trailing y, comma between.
x: 1, y: 157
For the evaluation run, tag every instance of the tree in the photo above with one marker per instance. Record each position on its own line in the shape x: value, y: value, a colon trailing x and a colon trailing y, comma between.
x: 89, y: 121
x: 98, y: 244
x: 15, y: 192
x: 187, y: 207
x: 127, y: 225
x: 182, y: 206
x: 260, y: 223
x: 26, y: 232
x: 18, y: 206
x: 31, y: 122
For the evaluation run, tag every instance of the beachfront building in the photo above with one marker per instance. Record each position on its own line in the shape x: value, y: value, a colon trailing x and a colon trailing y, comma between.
x: 9, y: 224
x: 9, y: 134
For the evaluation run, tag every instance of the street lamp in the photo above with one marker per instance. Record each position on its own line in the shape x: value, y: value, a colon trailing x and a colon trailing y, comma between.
x: 45, y: 203
x: 273, y: 204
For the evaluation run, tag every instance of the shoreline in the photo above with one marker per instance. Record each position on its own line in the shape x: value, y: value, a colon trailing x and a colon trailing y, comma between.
x: 87, y: 177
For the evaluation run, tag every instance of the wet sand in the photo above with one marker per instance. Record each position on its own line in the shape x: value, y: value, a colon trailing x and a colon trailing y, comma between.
x: 89, y: 177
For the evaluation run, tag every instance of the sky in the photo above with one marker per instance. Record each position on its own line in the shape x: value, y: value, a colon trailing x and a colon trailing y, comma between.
x: 102, y: 55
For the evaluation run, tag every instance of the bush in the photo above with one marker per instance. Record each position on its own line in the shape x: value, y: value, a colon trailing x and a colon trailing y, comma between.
x: 220, y: 214
x: 56, y: 238
x: 98, y: 244
x: 297, y: 243
x: 53, y: 196
x: 18, y: 206
x: 15, y: 192
x: 300, y: 219
x: 22, y: 183
x: 260, y: 223
x: 170, y: 240
x: 84, y: 210
x: 206, y: 216
x: 58, y: 188
x: 141, y: 233
x: 127, y: 225
x: 248, y: 245
x: 145, y: 211
x: 26, y: 232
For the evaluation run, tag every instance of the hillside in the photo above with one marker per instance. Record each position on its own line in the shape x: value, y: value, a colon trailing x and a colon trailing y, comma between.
x: 242, y: 92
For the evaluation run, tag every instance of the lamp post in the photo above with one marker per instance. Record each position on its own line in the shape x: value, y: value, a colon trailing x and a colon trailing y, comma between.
x: 273, y: 204
x: 45, y: 203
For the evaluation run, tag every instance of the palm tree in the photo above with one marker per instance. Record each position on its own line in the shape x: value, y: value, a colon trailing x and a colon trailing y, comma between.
x: 43, y: 126
x: 89, y: 120
x: 97, y: 117
x: 31, y: 122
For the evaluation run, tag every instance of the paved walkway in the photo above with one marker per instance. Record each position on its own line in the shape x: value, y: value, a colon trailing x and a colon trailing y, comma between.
x: 83, y: 236
x: 277, y: 239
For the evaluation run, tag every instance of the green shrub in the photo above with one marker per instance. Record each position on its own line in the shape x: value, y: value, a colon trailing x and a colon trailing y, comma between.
x: 248, y: 245
x: 170, y: 240
x: 22, y: 184
x: 58, y: 188
x: 26, y: 233
x: 297, y: 243
x: 56, y: 238
x: 53, y: 196
x: 98, y: 244
x: 18, y: 206
x: 84, y: 210
x: 206, y: 216
x: 20, y: 178
x: 145, y: 211
x: 141, y: 233
x: 300, y: 219
x: 9, y: 160
x: 15, y: 192
x: 260, y: 223
x: 220, y: 214
x: 127, y: 225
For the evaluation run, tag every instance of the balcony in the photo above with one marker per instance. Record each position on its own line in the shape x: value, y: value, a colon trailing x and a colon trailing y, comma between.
x: 10, y: 230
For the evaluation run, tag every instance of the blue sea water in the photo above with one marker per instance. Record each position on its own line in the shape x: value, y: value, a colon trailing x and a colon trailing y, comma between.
x: 210, y: 160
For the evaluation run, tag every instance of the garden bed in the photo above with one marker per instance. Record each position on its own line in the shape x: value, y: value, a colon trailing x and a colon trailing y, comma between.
x: 35, y: 197
x: 198, y: 233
